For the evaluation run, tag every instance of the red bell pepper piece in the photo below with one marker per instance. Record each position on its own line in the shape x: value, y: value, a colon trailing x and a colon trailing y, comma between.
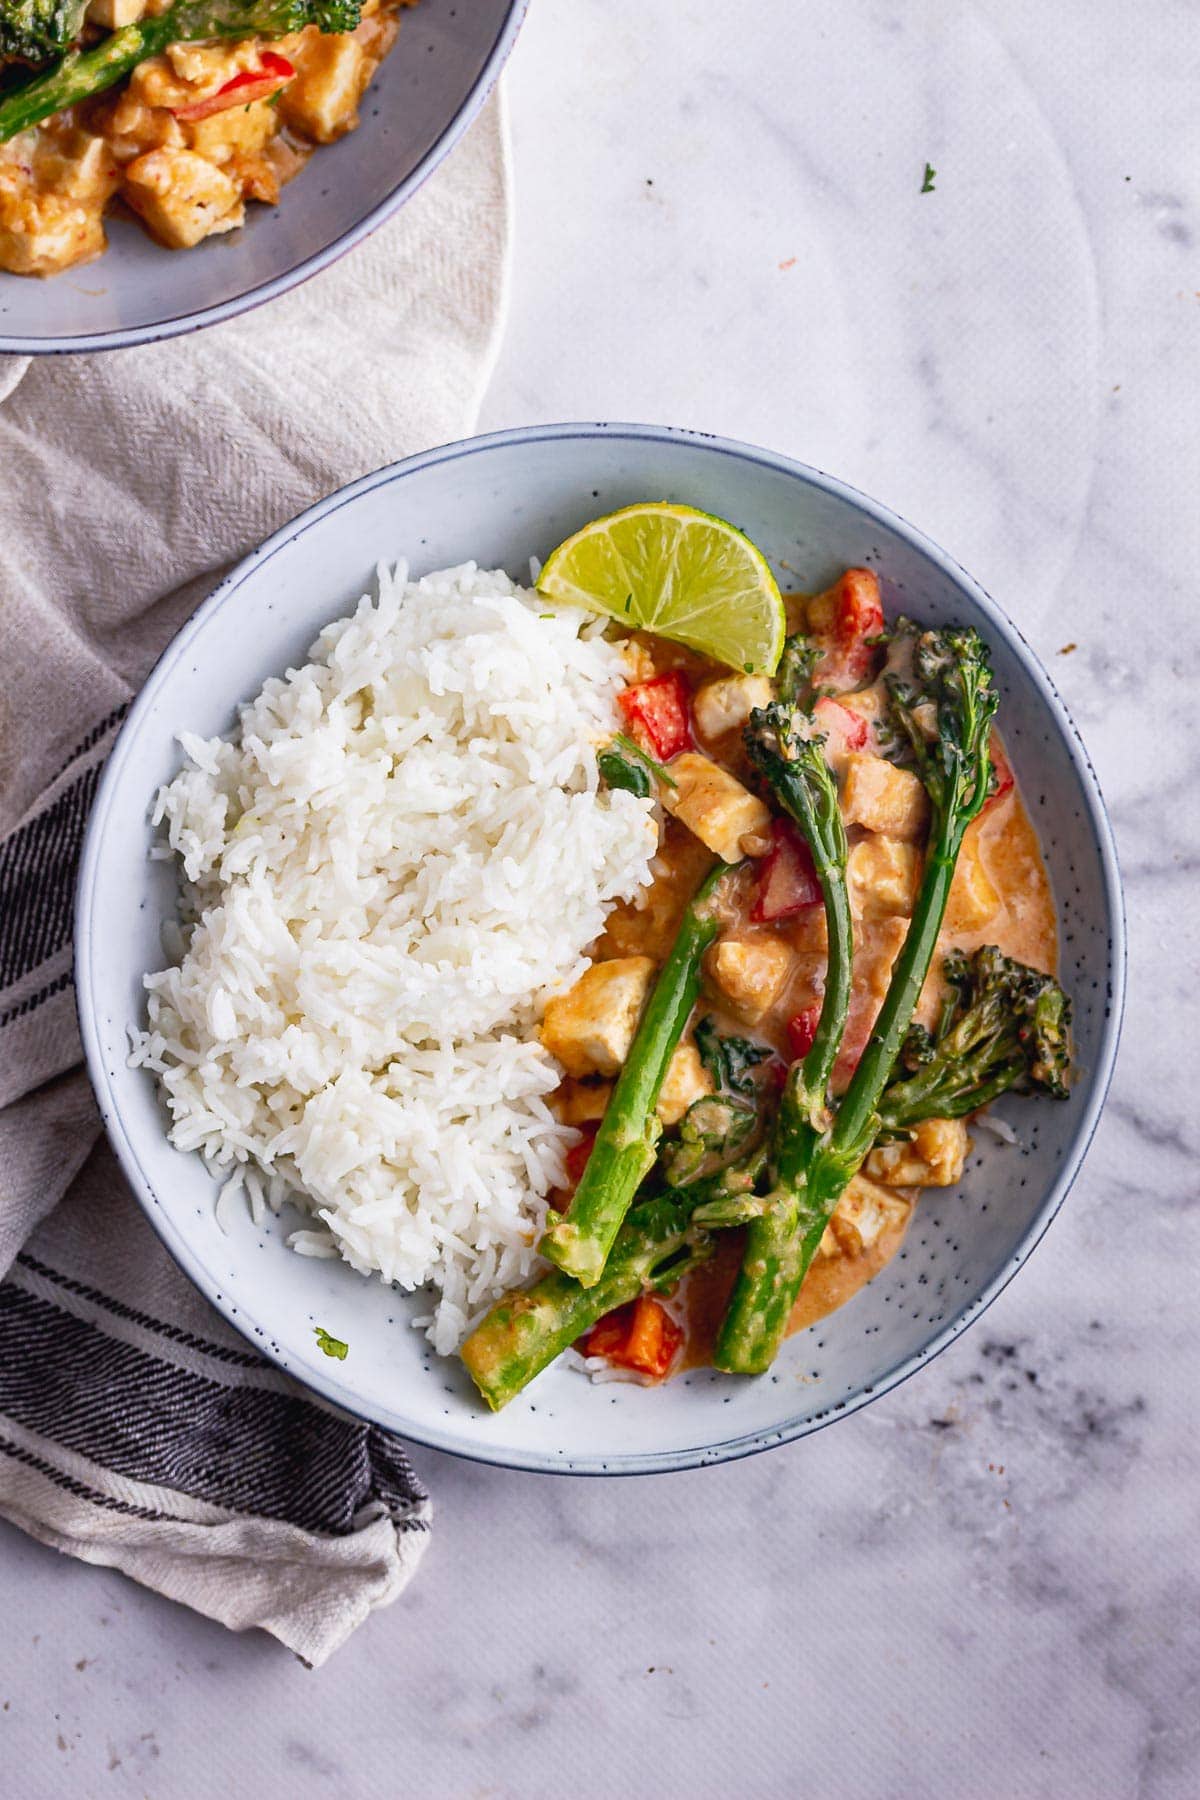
x: 641, y: 1335
x: 844, y: 728
x: 273, y: 72
x: 863, y: 1009
x: 857, y: 614
x: 1005, y: 779
x: 788, y: 882
x: 802, y: 1030
x: 659, y: 714
x: 576, y: 1159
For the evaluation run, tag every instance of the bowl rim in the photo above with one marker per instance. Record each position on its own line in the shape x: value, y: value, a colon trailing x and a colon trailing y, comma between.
x: 128, y: 337
x: 328, y: 1385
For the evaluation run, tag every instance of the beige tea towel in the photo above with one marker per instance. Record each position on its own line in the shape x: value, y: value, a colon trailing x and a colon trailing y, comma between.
x: 136, y: 1429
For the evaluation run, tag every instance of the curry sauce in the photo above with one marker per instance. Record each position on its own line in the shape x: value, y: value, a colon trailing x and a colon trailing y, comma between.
x: 1000, y: 896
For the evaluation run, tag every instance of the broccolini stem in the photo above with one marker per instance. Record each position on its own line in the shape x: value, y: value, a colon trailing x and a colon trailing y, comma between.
x: 659, y: 1241
x: 814, y: 1172
x: 580, y: 1239
x: 80, y: 75
x: 84, y: 73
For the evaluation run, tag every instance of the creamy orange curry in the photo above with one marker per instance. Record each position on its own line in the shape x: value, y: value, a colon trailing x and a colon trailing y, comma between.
x: 192, y: 136
x: 764, y: 976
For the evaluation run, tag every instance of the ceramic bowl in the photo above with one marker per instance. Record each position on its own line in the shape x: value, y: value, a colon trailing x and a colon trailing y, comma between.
x: 499, y: 500
x: 424, y: 96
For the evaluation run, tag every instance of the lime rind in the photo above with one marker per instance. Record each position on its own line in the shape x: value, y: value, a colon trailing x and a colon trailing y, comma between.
x: 680, y: 573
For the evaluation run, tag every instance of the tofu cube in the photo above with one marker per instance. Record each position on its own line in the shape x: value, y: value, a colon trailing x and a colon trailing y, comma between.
x: 686, y: 1080
x: 714, y: 805
x: 79, y: 167
x: 590, y: 1028
x: 883, y: 798
x: 883, y: 874
x: 973, y: 898
x: 878, y: 954
x: 936, y: 1156
x: 239, y: 131
x: 724, y: 704
x: 865, y: 1214
x: 749, y: 973
x: 582, y: 1102
x: 41, y: 233
x: 115, y: 14
x: 332, y: 71
x: 182, y: 198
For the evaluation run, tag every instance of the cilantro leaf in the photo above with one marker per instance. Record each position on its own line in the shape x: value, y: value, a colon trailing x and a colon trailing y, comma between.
x: 623, y: 756
x: 619, y: 772
x: 330, y: 1345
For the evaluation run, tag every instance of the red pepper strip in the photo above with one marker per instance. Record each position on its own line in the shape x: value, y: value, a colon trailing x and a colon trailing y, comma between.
x: 1005, y: 779
x: 849, y: 660
x: 641, y: 1335
x: 576, y: 1159
x: 802, y: 1031
x: 788, y: 883
x: 658, y: 714
x: 243, y: 89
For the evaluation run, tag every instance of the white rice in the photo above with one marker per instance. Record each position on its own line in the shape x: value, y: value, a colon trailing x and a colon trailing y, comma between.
x: 389, y: 866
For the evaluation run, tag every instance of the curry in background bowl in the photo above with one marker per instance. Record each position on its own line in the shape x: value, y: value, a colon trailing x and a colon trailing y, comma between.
x: 227, y: 111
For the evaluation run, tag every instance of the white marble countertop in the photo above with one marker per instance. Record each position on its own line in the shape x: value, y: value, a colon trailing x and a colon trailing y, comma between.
x: 986, y: 1583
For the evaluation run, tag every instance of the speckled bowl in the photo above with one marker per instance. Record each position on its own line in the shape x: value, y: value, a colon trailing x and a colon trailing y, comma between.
x: 500, y: 499
x: 425, y: 95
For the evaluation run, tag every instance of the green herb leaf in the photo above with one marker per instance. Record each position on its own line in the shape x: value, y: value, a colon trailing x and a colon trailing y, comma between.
x: 629, y: 748
x: 330, y: 1345
x: 729, y: 1060
x: 927, y: 186
x: 619, y: 772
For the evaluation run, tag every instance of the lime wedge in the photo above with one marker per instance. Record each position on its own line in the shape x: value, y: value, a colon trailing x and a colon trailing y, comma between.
x: 679, y: 573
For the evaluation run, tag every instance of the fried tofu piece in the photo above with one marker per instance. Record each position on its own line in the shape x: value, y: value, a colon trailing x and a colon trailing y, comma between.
x: 879, y: 953
x: 973, y: 897
x: 41, y: 233
x: 332, y: 72
x: 714, y: 805
x: 52, y: 200
x: 181, y: 198
x: 935, y: 1157
x: 238, y: 131
x: 865, y: 1213
x: 883, y: 798
x: 114, y: 15
x: 722, y: 705
x: 883, y: 874
x: 749, y: 973
x: 590, y: 1028
x: 581, y: 1102
x: 686, y: 1080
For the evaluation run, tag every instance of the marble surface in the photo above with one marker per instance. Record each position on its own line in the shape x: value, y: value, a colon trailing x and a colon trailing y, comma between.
x: 986, y: 1583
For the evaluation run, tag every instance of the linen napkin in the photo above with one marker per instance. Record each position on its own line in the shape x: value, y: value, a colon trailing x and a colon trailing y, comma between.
x: 136, y: 1429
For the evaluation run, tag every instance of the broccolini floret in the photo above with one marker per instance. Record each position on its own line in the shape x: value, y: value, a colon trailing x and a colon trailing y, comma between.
x: 39, y: 31
x: 1004, y: 1028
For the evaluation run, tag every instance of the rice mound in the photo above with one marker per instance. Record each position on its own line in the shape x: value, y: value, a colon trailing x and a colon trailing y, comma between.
x: 398, y: 855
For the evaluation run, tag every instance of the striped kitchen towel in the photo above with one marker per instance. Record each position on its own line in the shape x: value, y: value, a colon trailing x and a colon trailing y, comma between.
x: 137, y: 1430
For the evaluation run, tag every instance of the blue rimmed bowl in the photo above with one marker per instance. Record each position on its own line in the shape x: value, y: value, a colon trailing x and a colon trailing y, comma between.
x: 424, y: 96
x: 499, y: 500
